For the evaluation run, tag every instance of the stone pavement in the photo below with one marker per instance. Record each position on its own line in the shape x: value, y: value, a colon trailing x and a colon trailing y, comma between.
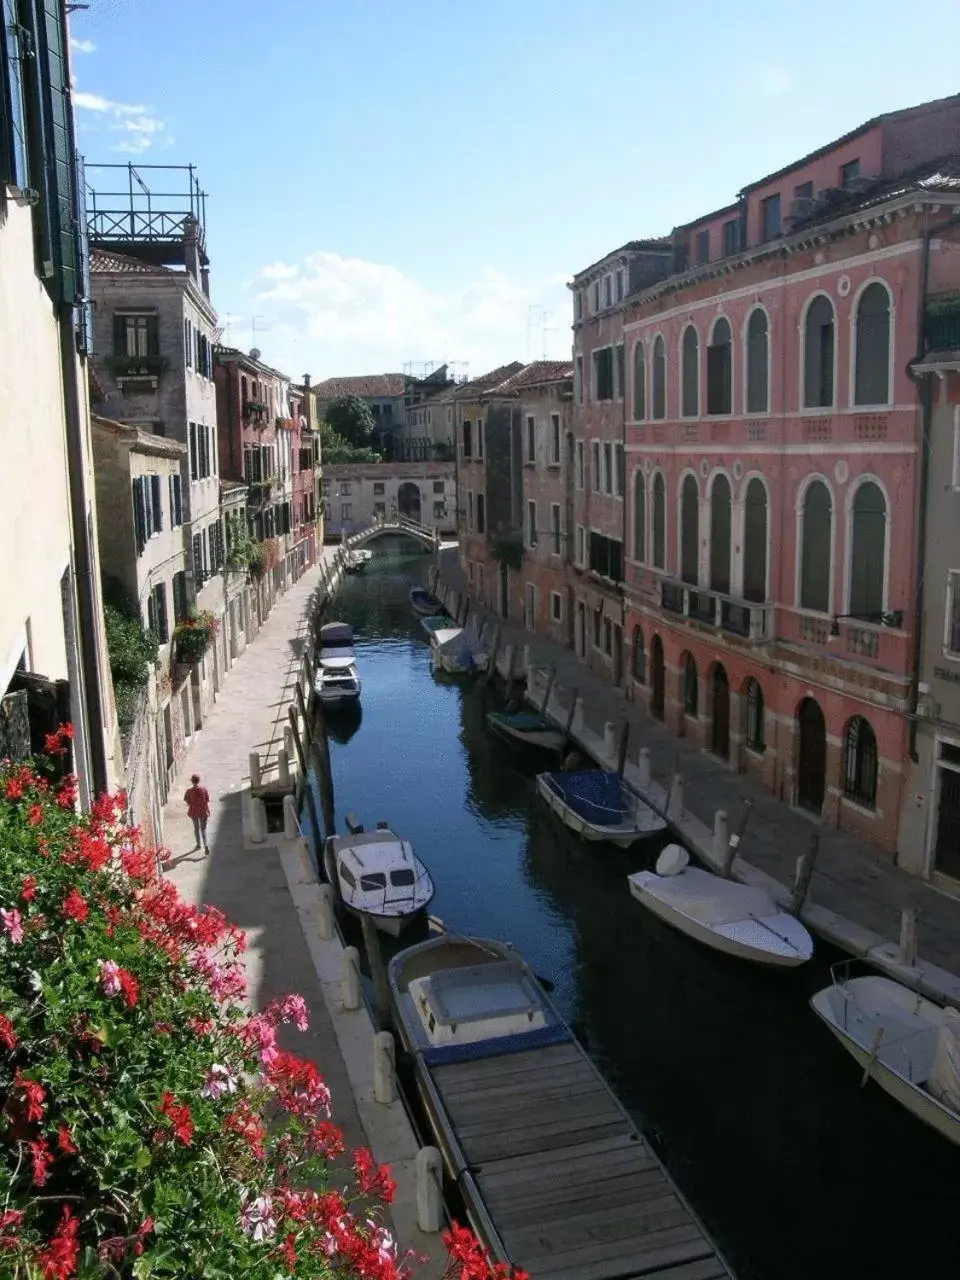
x: 859, y: 893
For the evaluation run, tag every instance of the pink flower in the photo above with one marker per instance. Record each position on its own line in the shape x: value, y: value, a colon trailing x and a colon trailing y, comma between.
x: 110, y: 977
x: 13, y: 923
x: 219, y: 1081
x: 287, y: 1009
x: 257, y: 1218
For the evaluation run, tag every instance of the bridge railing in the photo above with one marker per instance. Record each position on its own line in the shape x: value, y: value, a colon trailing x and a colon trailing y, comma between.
x: 394, y: 524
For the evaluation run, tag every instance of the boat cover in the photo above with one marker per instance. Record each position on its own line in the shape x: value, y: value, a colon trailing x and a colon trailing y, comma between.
x: 944, y: 1081
x: 594, y: 795
x: 711, y: 899
x: 522, y: 721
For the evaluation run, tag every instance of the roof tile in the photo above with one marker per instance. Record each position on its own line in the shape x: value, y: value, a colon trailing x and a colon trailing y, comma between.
x: 376, y: 384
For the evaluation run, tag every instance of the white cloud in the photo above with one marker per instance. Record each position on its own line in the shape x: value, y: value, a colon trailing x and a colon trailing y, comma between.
x: 337, y: 315
x: 140, y: 129
x: 82, y: 46
x: 774, y: 81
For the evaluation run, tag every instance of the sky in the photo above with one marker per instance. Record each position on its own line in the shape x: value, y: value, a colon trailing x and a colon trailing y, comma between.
x: 397, y: 183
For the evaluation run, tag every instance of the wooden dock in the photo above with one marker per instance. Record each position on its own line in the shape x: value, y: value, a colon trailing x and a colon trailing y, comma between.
x: 570, y: 1186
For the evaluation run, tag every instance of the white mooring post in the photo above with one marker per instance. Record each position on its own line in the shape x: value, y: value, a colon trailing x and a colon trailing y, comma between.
x: 255, y: 778
x: 291, y: 828
x: 350, y: 978
x: 384, y: 1068
x: 675, y: 803
x: 283, y: 767
x: 288, y: 741
x: 325, y: 918
x: 721, y: 836
x: 428, y: 1174
x: 643, y: 768
x: 908, y: 937
x: 258, y: 821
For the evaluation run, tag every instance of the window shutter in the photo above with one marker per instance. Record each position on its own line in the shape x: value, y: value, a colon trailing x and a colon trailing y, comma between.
x: 193, y: 451
x: 198, y: 559
x: 153, y: 336
x: 187, y: 343
x: 119, y: 335
x: 163, y: 629
x: 157, y: 504
x: 178, y: 490
x: 139, y: 515
x: 151, y: 614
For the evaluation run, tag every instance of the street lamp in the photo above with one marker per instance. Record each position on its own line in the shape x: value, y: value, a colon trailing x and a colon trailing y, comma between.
x: 893, y: 619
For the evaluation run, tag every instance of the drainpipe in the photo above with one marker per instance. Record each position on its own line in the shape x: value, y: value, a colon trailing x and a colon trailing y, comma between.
x: 924, y: 389
x: 624, y: 648
x: 90, y: 692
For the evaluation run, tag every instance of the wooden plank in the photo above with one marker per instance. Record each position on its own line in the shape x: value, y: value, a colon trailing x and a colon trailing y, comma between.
x: 569, y: 1173
x: 551, y: 1239
x: 639, y: 1255
x: 595, y: 1149
x: 497, y: 1146
x: 562, y: 1084
x: 479, y: 1114
x: 541, y: 1064
x: 573, y: 1202
x: 705, y: 1269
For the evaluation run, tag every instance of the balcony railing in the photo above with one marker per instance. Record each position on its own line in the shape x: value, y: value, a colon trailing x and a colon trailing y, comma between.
x: 942, y: 328
x: 737, y: 617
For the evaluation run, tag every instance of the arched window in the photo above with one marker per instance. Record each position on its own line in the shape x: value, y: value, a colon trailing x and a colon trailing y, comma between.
x: 755, y: 542
x: 639, y: 517
x: 860, y: 763
x: 659, y: 521
x: 639, y: 657
x: 758, y: 363
x: 815, y: 549
x: 690, y: 374
x: 818, y: 354
x: 690, y: 530
x: 867, y: 550
x: 690, y: 692
x: 639, y: 383
x: 720, y: 503
x: 659, y: 379
x: 872, y: 378
x: 720, y: 369
x: 755, y: 728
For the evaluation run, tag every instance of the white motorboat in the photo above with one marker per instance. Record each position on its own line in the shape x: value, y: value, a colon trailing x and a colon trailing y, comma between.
x: 738, y: 919
x: 456, y: 652
x: 337, y: 679
x: 597, y: 804
x: 375, y: 873
x: 357, y: 561
x: 908, y: 1044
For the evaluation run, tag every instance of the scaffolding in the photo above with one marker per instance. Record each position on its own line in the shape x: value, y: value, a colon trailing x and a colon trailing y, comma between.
x: 127, y: 215
x: 426, y: 370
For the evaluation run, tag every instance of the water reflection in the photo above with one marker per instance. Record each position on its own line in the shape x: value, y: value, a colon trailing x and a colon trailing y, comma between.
x: 757, y: 1110
x: 343, y: 720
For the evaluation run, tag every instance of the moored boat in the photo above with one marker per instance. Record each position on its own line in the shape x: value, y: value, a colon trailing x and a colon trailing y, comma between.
x: 597, y: 804
x: 737, y: 919
x: 337, y: 679
x: 425, y: 603
x: 457, y: 652
x: 527, y: 729
x: 357, y: 561
x: 376, y: 873
x: 908, y: 1044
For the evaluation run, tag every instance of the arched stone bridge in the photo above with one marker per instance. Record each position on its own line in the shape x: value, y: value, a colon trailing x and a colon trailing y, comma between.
x: 425, y: 534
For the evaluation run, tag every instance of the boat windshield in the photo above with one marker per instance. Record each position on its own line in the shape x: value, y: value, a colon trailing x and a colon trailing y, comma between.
x: 401, y: 878
x: 373, y: 880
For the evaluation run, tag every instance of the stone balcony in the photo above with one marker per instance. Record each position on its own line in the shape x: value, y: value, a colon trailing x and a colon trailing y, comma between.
x: 747, y: 619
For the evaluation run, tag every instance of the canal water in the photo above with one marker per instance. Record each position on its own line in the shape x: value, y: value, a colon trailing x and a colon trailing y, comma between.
x: 755, y: 1109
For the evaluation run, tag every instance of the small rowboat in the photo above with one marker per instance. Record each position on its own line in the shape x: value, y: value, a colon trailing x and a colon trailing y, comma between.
x: 527, y: 729
x: 424, y: 603
x: 598, y: 805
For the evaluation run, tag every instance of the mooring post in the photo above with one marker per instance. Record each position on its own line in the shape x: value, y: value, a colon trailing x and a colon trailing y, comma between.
x: 720, y: 837
x: 350, y: 978
x: 428, y: 1175
x: 805, y: 865
x: 508, y: 662
x: 283, y: 767
x: 733, y: 845
x: 295, y: 734
x: 466, y: 611
x: 571, y: 712
x: 675, y: 802
x: 378, y: 970
x: 288, y: 741
x: 609, y: 740
x: 551, y: 677
x: 526, y: 661
x: 291, y: 827
x: 908, y: 937
x: 384, y: 1068
x: 258, y: 821
x: 577, y: 724
x: 325, y: 914
x: 622, y: 750
x: 643, y: 768
x: 255, y: 779
x: 492, y: 665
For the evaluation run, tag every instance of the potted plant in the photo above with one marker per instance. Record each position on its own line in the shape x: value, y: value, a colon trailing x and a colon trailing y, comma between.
x: 193, y: 636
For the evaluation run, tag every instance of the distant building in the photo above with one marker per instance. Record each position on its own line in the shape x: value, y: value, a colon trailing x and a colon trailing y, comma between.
x: 356, y: 494
x: 383, y: 393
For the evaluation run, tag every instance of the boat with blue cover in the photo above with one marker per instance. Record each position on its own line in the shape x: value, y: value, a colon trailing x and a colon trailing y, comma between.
x: 597, y: 804
x: 425, y: 603
x: 527, y: 729
x: 554, y: 1174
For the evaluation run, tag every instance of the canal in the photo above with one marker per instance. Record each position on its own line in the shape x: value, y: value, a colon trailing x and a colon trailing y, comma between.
x: 753, y: 1106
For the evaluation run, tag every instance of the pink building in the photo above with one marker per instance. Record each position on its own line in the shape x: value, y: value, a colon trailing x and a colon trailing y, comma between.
x: 768, y: 494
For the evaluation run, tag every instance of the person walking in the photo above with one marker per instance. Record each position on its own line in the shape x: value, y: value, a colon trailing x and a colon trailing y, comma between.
x: 198, y: 808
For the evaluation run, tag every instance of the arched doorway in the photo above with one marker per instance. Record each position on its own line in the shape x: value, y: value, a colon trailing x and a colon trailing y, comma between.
x: 408, y: 500
x: 812, y: 756
x: 720, y: 710
x: 657, y: 677
x: 504, y: 590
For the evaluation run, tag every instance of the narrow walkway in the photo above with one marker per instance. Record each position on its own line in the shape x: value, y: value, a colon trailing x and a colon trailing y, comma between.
x: 250, y: 885
x: 850, y: 878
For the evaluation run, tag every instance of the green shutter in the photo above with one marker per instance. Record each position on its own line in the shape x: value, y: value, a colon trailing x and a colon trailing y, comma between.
x: 119, y: 335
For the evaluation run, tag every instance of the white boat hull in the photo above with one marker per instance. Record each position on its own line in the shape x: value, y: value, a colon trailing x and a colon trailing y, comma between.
x: 749, y: 939
x: 391, y: 925
x: 332, y: 698
x: 908, y: 1093
x: 622, y: 836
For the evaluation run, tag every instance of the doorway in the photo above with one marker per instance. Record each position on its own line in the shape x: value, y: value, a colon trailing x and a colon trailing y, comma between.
x: 408, y: 500
x: 720, y: 703
x: 657, y: 678
x: 617, y: 654
x: 504, y: 591
x: 812, y: 761
x: 581, y: 636
x: 946, y: 852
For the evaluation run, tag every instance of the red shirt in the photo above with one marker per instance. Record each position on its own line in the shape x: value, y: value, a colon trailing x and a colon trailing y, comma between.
x: 198, y: 802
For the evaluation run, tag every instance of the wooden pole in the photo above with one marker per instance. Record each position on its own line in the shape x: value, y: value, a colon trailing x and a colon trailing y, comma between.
x: 378, y: 970
x: 551, y: 677
x: 622, y: 753
x: 805, y: 865
x: 492, y: 664
x: 314, y: 816
x: 726, y: 867
x: 302, y: 704
x: 574, y: 695
x: 294, y: 724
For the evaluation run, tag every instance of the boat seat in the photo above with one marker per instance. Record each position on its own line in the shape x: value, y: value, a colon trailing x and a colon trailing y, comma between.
x: 714, y: 901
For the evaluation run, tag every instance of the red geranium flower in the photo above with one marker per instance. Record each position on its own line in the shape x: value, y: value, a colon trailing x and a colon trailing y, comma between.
x: 59, y: 1259
x: 8, y: 1037
x: 75, y: 906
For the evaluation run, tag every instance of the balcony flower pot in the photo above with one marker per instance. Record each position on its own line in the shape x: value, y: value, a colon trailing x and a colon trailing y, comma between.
x: 193, y: 637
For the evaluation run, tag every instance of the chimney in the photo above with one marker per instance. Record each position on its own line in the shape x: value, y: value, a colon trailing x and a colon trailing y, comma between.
x: 191, y: 246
